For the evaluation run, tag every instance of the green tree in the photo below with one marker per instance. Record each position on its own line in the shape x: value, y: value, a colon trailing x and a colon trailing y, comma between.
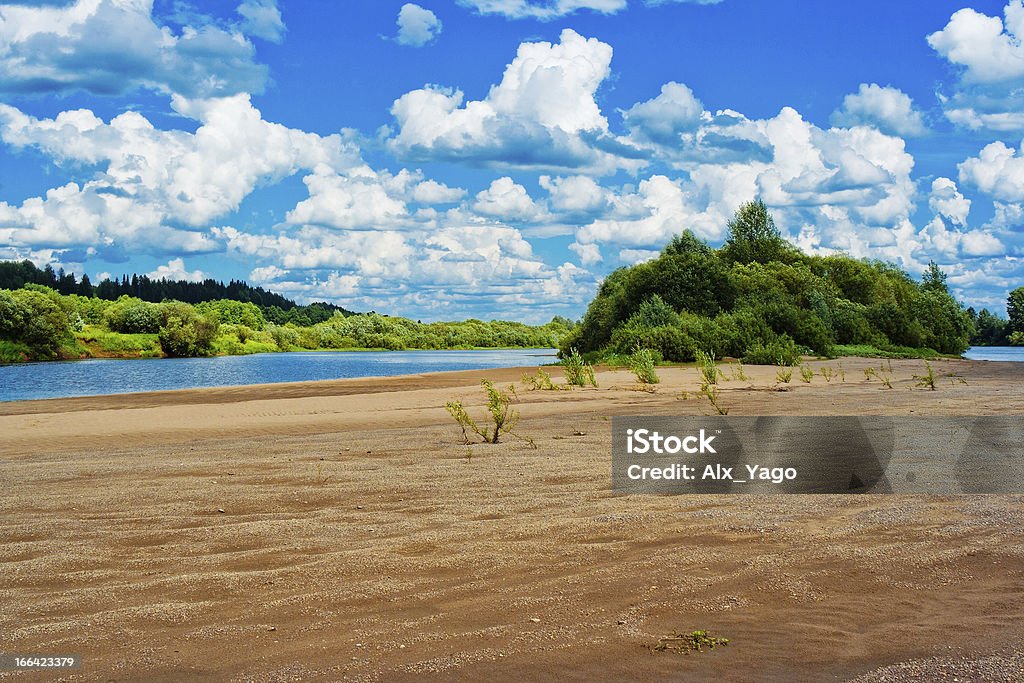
x: 1015, y: 310
x: 753, y: 236
x: 685, y: 243
x: 35, y: 319
x: 934, y: 279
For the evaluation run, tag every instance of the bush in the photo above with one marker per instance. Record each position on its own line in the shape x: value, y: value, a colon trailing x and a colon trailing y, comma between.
x: 184, y: 332
x: 578, y: 372
x: 781, y: 351
x: 642, y: 364
x: 502, y: 417
x: 35, y: 320
x: 133, y: 316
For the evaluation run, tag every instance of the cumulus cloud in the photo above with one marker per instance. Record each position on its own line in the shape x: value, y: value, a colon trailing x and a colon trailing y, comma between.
x: 887, y: 108
x: 445, y: 266
x: 988, y: 50
x: 115, y: 46
x: 542, y: 113
x: 417, y: 26
x: 998, y: 171
x: 160, y: 188
x: 507, y: 200
x: 665, y: 118
x: 990, y: 57
x: 262, y: 18
x: 839, y: 188
x: 946, y: 200
x: 575, y: 194
x: 175, y: 270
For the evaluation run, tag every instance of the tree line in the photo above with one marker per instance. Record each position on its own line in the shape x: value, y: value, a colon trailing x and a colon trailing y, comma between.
x: 39, y: 323
x: 276, y: 308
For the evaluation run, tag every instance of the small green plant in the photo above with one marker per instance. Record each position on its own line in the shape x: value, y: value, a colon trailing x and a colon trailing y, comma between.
x: 578, y: 372
x: 320, y: 476
x: 689, y: 642
x: 710, y: 392
x: 642, y: 362
x: 737, y: 372
x: 784, y: 373
x: 869, y: 373
x: 709, y: 372
x: 954, y: 378
x: 886, y: 381
x: 927, y: 380
x: 806, y: 373
x: 828, y: 373
x: 540, y: 382
x: 501, y: 414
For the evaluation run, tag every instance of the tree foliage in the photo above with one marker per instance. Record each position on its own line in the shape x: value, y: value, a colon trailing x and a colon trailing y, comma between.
x: 760, y: 298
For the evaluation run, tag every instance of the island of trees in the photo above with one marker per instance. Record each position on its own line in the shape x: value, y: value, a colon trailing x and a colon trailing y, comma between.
x: 761, y: 299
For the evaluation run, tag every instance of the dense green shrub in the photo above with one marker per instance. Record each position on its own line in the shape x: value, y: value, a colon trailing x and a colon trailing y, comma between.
x: 781, y: 351
x: 184, y: 332
x: 133, y: 316
x: 34, y: 320
x: 234, y: 313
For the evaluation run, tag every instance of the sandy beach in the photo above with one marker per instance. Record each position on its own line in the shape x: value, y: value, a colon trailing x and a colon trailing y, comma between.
x: 342, y: 530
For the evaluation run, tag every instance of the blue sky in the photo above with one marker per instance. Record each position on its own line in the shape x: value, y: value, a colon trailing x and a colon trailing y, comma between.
x: 497, y: 158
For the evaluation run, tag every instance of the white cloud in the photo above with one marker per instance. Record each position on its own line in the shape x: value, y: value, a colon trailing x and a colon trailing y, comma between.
x: 347, y: 201
x: 262, y: 18
x: 543, y: 113
x: 175, y: 270
x: 989, y: 54
x: 507, y: 200
x: 997, y: 171
x: 889, y: 109
x: 149, y: 183
x: 547, y: 10
x: 417, y: 26
x: 838, y: 188
x: 114, y: 46
x: 575, y: 194
x: 666, y: 117
x: 946, y: 200
x: 433, y: 192
x: 544, y: 10
x: 988, y: 50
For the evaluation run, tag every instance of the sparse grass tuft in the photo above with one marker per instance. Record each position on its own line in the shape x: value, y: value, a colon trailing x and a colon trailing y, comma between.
x: 502, y: 417
x: 709, y: 372
x: 578, y: 372
x: 689, y: 642
x: 784, y: 373
x: 540, y: 382
x: 642, y: 362
x: 320, y: 476
x: 927, y: 380
x: 806, y: 373
x: 737, y: 372
x: 710, y: 392
x: 828, y: 373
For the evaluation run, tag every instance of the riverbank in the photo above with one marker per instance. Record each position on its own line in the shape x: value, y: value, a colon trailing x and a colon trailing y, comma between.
x: 341, y: 530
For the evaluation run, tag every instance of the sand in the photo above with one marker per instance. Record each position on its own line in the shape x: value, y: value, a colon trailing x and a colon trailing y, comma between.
x: 341, y: 530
